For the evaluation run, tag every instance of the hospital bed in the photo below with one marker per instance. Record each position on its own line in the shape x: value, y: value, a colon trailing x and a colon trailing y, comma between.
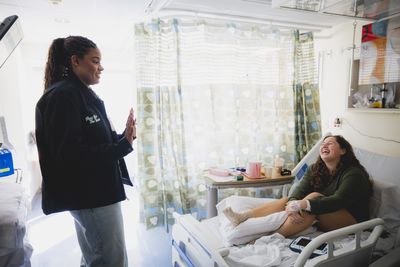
x: 205, y: 244
x: 15, y: 251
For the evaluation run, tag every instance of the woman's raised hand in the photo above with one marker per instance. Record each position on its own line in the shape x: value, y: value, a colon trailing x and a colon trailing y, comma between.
x: 130, y: 130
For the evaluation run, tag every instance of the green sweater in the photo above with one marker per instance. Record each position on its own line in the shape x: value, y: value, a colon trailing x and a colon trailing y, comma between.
x: 350, y: 189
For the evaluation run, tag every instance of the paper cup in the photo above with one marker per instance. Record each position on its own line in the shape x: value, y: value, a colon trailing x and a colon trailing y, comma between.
x: 276, y: 172
x: 268, y: 172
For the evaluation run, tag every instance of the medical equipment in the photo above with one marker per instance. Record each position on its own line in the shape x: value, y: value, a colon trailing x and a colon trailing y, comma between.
x: 10, y: 37
x: 6, y: 160
x: 6, y: 163
x: 301, y: 242
x: 15, y: 249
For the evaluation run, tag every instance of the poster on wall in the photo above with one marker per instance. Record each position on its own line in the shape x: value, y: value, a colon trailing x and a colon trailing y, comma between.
x: 380, y: 52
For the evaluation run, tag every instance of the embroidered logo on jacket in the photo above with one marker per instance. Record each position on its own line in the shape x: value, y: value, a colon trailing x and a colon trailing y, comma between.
x: 92, y: 119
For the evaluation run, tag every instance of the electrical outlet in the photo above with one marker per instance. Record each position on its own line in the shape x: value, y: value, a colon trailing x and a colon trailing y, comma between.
x: 337, y: 122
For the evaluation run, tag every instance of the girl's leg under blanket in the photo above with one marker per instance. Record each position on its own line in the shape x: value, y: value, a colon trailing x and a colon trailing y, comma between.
x: 260, y: 211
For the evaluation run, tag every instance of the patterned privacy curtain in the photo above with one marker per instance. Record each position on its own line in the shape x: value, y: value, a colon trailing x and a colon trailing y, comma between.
x: 209, y: 94
x: 306, y: 95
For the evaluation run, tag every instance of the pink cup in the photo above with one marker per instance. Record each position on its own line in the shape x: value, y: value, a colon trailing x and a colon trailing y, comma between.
x: 254, y: 169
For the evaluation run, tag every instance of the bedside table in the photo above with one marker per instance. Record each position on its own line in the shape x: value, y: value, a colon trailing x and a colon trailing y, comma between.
x: 214, y: 183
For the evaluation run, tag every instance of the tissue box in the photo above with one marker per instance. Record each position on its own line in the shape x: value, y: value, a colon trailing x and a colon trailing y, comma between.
x: 6, y: 163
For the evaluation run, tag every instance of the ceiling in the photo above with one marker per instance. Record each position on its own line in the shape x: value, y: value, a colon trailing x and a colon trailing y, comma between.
x: 263, y: 11
x: 110, y: 22
x: 107, y: 22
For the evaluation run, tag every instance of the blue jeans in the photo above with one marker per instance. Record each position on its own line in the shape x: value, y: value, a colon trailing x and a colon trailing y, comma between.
x: 101, y: 238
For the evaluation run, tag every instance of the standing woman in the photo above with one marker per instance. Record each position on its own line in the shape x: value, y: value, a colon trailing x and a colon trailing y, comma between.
x: 80, y: 154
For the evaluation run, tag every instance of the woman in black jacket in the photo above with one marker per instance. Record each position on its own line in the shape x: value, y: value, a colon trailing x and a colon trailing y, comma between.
x: 80, y: 154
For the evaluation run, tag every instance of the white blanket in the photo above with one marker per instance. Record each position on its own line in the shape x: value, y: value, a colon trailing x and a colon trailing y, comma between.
x: 252, y: 228
x: 271, y: 250
x: 14, y: 249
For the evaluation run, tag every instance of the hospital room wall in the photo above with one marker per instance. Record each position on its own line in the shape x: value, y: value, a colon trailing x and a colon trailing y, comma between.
x: 21, y: 86
x: 363, y: 129
x: 11, y: 103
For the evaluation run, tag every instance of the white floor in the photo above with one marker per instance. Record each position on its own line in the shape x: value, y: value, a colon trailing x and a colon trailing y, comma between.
x: 55, y: 244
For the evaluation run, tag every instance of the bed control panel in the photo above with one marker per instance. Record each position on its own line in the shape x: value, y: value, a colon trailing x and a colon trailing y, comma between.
x: 300, y: 242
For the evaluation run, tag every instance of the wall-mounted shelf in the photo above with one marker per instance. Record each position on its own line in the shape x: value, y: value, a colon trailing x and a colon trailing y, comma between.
x: 358, y: 95
x: 375, y: 110
x: 361, y: 9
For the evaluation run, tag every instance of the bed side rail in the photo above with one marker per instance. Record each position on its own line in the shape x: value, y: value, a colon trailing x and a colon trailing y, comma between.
x: 203, y: 239
x: 357, y: 255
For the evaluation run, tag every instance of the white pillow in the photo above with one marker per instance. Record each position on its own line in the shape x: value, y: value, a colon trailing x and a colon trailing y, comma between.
x: 385, y: 204
x: 252, y: 228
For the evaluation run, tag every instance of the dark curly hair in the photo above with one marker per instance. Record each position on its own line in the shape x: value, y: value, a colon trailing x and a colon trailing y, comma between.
x: 58, y: 65
x: 348, y: 159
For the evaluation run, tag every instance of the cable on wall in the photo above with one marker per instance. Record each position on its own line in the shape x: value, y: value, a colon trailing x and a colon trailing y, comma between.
x: 370, y: 136
x: 18, y: 178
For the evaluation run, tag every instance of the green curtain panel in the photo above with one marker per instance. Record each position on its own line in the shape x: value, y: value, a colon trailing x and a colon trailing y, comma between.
x: 305, y: 94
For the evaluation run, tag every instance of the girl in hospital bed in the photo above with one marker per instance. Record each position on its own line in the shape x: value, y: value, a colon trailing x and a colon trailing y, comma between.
x: 334, y: 193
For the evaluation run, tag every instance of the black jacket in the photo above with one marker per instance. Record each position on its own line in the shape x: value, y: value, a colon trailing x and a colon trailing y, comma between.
x: 80, y: 155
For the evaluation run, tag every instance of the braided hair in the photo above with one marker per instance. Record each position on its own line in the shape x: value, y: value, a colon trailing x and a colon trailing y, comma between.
x: 58, y: 65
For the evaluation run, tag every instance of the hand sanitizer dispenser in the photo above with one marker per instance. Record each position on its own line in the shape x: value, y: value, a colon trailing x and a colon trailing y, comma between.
x: 6, y: 160
x: 6, y: 163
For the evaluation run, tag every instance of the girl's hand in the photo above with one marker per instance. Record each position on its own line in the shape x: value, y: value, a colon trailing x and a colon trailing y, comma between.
x: 294, y: 209
x: 293, y: 206
x: 296, y: 217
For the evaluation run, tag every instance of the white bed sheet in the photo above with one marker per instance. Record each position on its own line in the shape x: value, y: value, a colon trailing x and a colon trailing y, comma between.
x: 268, y: 250
x: 273, y: 249
x: 14, y: 248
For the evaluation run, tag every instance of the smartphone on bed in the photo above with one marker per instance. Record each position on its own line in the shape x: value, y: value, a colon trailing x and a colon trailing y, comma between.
x: 298, y: 244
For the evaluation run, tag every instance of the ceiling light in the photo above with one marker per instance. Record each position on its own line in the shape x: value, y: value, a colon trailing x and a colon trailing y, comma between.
x: 62, y: 20
x: 55, y: 2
